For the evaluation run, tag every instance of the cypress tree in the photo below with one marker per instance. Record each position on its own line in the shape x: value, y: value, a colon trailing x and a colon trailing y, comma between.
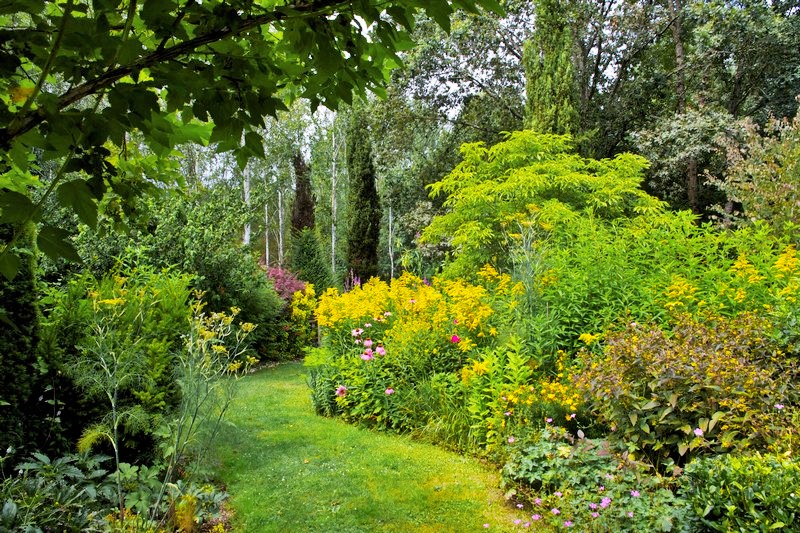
x: 551, y: 93
x: 303, y: 206
x: 363, y: 204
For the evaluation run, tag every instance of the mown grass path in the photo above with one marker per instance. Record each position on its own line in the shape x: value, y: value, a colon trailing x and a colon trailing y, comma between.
x: 288, y: 469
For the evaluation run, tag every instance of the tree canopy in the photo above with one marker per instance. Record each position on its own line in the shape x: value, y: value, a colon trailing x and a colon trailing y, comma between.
x: 79, y: 78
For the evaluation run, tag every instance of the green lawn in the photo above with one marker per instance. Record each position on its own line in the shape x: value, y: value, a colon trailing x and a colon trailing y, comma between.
x: 288, y: 469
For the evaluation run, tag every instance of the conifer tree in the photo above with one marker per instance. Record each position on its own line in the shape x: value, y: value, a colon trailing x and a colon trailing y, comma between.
x: 303, y: 206
x: 363, y: 204
x: 551, y: 95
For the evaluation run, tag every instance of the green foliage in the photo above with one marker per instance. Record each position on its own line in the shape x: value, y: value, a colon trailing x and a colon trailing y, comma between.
x: 307, y: 260
x: 529, y: 178
x: 549, y: 71
x: 364, y: 211
x: 564, y: 478
x: 763, y: 177
x: 742, y: 493
x: 69, y: 493
x: 20, y: 412
x: 711, y: 384
x: 671, y: 143
x: 198, y: 233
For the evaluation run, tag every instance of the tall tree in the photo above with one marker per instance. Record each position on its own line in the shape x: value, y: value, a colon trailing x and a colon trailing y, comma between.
x: 363, y: 205
x: 552, y: 96
x: 303, y: 206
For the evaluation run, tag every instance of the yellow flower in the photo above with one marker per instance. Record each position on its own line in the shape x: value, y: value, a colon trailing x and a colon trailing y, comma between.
x: 588, y: 338
x: 787, y: 262
x: 112, y: 301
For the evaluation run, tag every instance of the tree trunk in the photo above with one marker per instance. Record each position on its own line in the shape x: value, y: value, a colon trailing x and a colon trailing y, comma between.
x: 247, y: 228
x: 333, y: 201
x: 280, y: 228
x: 692, y: 183
x: 266, y: 234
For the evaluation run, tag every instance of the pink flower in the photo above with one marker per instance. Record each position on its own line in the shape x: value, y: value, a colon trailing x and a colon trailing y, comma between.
x: 367, y: 325
x: 602, y: 488
x: 380, y: 350
x: 536, y: 517
x: 526, y: 524
x: 413, y: 301
x: 630, y: 514
x: 635, y: 493
x: 507, y: 413
x: 568, y: 523
x: 520, y: 506
x: 389, y: 391
x: 548, y: 420
x: 358, y: 341
x: 517, y: 522
x: 779, y: 406
x: 698, y: 432
x: 605, y: 502
x: 486, y: 526
x: 511, y: 440
x: 367, y: 356
x: 555, y: 511
x: 341, y: 391
x: 387, y: 313
x: 455, y: 338
x: 538, y: 501
x: 367, y: 343
x: 356, y: 332
x: 595, y: 514
x: 558, y: 493
x: 592, y: 506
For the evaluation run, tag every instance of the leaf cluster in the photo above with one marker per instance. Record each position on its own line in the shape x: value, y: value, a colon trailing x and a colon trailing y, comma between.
x: 530, y: 178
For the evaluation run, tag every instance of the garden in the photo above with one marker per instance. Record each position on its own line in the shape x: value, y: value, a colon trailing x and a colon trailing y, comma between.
x: 453, y: 265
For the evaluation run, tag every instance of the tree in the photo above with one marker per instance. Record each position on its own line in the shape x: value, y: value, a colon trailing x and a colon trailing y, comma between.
x: 303, y: 206
x: 364, y: 209
x: 530, y: 181
x: 550, y: 74
x: 79, y: 76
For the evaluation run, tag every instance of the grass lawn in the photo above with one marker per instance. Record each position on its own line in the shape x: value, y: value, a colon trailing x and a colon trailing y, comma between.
x: 288, y: 469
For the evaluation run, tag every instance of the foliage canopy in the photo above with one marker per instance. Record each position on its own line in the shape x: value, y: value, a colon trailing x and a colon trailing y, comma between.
x: 78, y: 77
x: 529, y: 178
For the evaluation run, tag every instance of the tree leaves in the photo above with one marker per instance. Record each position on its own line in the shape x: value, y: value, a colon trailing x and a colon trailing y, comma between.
x: 104, y: 71
x: 76, y: 194
x: 14, y: 206
x: 55, y: 243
